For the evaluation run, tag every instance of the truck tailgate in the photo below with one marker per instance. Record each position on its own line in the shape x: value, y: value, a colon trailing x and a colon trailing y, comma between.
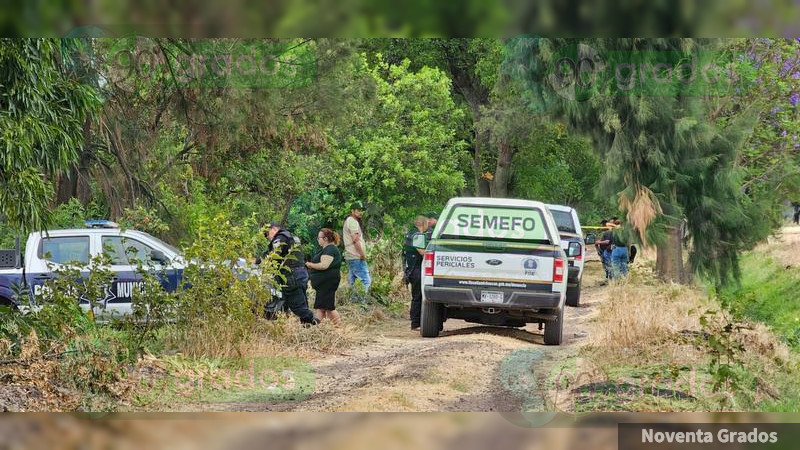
x: 484, y: 267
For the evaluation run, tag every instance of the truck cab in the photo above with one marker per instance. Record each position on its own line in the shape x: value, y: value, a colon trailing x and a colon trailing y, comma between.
x: 45, y: 252
x: 495, y: 262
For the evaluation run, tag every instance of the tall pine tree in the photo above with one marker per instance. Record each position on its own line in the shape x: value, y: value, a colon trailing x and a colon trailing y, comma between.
x: 643, y: 102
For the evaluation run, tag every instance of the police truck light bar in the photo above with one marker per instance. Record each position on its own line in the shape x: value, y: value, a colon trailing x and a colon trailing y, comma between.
x: 101, y: 223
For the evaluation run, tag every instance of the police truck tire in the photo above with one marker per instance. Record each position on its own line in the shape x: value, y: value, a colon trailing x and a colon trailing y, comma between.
x: 553, y: 329
x: 574, y: 295
x: 430, y: 319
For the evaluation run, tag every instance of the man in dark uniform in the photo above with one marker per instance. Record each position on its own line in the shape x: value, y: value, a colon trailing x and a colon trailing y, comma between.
x: 292, y: 267
x: 413, y: 251
x: 433, y: 218
x: 796, y: 217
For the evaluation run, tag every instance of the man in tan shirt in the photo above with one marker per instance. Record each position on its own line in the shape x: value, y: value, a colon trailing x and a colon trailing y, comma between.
x: 355, y: 248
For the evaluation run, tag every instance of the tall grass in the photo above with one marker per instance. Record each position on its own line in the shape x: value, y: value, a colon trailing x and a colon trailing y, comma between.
x: 648, y: 329
x: 770, y: 293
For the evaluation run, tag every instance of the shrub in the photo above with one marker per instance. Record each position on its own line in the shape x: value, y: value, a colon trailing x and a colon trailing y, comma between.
x: 386, y: 265
x: 220, y: 303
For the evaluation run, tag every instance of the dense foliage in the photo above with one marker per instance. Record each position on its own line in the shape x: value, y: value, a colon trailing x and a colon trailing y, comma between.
x: 44, y: 112
x: 402, y: 125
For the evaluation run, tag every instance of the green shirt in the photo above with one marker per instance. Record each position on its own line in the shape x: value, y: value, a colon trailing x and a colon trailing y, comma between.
x: 620, y: 236
x: 332, y: 272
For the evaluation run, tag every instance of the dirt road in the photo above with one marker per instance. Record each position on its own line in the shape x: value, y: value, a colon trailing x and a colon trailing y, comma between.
x: 462, y: 370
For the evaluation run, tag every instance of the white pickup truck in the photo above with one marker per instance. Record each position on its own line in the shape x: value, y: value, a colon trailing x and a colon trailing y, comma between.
x: 569, y: 228
x: 24, y: 273
x: 496, y: 262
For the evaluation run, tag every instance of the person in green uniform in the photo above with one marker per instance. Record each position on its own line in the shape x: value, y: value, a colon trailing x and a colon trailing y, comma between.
x: 413, y: 251
x: 325, y: 275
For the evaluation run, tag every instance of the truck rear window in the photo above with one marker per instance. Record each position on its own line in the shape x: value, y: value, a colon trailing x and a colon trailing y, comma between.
x: 491, y: 222
x: 65, y: 250
x: 564, y: 221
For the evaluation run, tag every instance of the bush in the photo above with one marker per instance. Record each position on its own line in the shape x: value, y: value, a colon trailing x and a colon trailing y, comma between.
x: 219, y: 306
x: 386, y: 266
x: 54, y: 328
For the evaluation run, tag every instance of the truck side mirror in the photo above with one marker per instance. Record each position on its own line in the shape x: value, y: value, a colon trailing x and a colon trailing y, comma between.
x: 573, y: 250
x: 159, y: 257
x: 590, y: 239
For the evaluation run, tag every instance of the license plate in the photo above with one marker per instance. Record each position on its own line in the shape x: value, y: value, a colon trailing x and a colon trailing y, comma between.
x: 491, y: 297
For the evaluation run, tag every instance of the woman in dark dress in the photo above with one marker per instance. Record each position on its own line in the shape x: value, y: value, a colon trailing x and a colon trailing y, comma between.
x: 325, y: 266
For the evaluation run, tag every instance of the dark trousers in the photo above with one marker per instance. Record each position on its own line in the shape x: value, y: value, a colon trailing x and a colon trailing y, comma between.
x: 294, y: 294
x: 797, y: 217
x: 415, y: 279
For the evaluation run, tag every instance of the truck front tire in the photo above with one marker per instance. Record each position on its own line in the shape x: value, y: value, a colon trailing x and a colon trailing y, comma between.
x: 431, y: 319
x: 554, y: 329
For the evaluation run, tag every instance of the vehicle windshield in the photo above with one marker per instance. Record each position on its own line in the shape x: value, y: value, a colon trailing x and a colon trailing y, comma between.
x: 564, y: 221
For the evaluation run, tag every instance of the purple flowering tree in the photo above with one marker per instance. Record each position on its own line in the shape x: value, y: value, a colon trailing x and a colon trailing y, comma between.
x: 769, y: 92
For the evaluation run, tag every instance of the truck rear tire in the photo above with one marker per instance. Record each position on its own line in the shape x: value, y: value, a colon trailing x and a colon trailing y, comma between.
x: 574, y: 295
x: 554, y: 329
x: 431, y: 319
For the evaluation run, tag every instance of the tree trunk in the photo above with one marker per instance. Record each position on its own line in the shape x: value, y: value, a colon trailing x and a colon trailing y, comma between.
x: 82, y: 188
x: 476, y: 96
x: 502, y: 174
x: 481, y: 183
x: 66, y: 186
x: 669, y: 257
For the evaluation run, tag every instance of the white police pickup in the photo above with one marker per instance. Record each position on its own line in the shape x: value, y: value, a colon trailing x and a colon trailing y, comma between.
x: 496, y: 262
x: 569, y: 229
x: 26, y: 273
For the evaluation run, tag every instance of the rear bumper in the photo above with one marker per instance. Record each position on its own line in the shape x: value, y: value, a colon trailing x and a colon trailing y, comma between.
x: 512, y: 300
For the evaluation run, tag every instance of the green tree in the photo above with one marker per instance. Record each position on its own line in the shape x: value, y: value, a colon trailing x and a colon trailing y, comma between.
x: 194, y: 149
x: 472, y: 65
x: 406, y: 156
x: 555, y: 166
x: 43, y: 111
x: 770, y: 156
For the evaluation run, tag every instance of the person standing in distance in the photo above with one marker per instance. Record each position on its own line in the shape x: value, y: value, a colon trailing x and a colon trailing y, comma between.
x: 606, y: 244
x: 619, y: 255
x: 603, y: 248
x: 796, y: 217
x: 413, y: 251
x: 355, y: 249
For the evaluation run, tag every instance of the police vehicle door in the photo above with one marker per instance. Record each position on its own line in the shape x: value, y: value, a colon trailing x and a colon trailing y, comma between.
x: 52, y: 254
x: 128, y: 255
